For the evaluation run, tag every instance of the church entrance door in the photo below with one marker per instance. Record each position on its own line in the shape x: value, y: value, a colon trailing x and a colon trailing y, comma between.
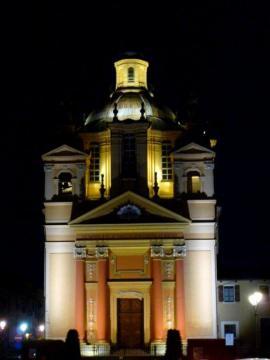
x: 130, y: 323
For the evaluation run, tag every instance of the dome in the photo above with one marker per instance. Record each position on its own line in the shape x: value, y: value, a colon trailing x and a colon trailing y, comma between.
x: 131, y: 99
x: 129, y: 106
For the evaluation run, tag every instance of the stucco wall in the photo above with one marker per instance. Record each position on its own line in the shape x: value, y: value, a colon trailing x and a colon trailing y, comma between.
x: 200, y: 322
x: 60, y: 277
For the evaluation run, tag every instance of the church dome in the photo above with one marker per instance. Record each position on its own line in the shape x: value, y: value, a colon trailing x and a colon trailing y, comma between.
x: 131, y: 100
x: 129, y: 107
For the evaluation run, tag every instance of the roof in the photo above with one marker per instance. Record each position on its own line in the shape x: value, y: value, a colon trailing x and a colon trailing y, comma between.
x: 132, y: 105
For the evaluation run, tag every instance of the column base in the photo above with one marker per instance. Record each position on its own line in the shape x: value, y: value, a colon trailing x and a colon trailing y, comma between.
x: 97, y: 349
x: 158, y: 348
x: 184, y: 346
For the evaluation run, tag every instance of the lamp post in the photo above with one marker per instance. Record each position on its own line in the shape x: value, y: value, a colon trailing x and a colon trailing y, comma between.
x: 254, y: 300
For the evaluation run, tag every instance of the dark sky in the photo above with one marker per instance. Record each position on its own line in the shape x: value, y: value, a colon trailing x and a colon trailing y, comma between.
x: 58, y: 60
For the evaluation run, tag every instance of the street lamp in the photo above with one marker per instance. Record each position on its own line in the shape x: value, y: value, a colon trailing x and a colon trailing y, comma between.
x: 40, y: 331
x: 23, y: 327
x: 3, y: 325
x: 255, y: 299
x: 41, y: 328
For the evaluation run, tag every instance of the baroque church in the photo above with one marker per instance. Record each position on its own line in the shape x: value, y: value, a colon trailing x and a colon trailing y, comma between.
x: 130, y: 225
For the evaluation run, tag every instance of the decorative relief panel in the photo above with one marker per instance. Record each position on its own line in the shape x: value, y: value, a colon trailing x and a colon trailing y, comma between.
x: 168, y: 290
x: 168, y: 270
x: 130, y: 294
x: 91, y: 253
x: 146, y: 260
x: 129, y: 266
x: 169, y: 312
x: 91, y: 320
x: 91, y: 271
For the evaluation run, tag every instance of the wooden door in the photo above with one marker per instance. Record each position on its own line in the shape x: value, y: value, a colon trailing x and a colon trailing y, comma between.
x: 130, y: 323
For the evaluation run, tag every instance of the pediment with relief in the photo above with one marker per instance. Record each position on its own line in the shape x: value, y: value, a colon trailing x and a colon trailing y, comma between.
x: 129, y: 208
x: 64, y: 153
x: 193, y: 151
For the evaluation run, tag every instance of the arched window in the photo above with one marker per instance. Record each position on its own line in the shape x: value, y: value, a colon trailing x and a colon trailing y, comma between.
x: 129, y: 156
x: 166, y: 162
x: 193, y: 182
x: 94, y: 162
x: 65, y: 183
x: 131, y: 74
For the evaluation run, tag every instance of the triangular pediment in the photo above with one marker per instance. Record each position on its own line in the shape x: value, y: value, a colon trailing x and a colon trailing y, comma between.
x: 64, y: 153
x: 193, y: 151
x: 129, y: 207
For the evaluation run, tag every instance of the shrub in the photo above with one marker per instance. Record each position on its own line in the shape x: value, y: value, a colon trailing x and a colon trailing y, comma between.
x: 174, y: 350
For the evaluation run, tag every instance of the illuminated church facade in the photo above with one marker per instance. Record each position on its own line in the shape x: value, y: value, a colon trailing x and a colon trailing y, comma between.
x: 130, y: 226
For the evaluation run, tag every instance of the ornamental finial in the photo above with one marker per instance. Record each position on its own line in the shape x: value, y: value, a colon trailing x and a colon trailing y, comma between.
x: 115, y: 112
x: 155, y: 187
x: 102, y: 187
x: 142, y: 111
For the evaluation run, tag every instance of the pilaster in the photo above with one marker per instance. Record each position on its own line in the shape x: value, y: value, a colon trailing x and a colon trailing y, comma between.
x: 80, y: 298
x: 180, y: 297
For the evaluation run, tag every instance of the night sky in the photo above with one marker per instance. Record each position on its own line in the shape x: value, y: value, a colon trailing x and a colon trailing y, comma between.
x: 57, y: 65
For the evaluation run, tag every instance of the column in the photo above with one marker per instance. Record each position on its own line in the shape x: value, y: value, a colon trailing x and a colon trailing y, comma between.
x: 157, y: 309
x: 80, y: 299
x: 180, y: 297
x: 102, y: 313
x: 49, y: 191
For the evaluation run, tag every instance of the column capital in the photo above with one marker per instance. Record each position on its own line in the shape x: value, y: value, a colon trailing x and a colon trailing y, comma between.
x: 102, y: 252
x: 157, y: 251
x: 209, y: 165
x: 99, y: 252
x: 177, y: 251
x: 80, y: 253
x: 48, y: 167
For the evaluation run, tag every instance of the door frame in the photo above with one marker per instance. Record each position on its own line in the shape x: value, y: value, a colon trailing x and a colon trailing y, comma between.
x: 136, y: 290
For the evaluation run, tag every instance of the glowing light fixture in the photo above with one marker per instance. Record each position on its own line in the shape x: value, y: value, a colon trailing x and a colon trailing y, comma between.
x: 23, y: 327
x: 213, y: 142
x: 41, y: 328
x: 255, y: 298
x: 3, y: 324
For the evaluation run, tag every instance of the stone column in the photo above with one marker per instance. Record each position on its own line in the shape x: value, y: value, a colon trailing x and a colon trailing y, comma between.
x: 80, y: 298
x: 102, y: 313
x: 49, y: 188
x: 157, y: 309
x: 180, y: 297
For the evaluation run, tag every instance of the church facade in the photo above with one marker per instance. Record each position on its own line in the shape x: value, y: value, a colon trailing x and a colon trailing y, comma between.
x: 130, y: 225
